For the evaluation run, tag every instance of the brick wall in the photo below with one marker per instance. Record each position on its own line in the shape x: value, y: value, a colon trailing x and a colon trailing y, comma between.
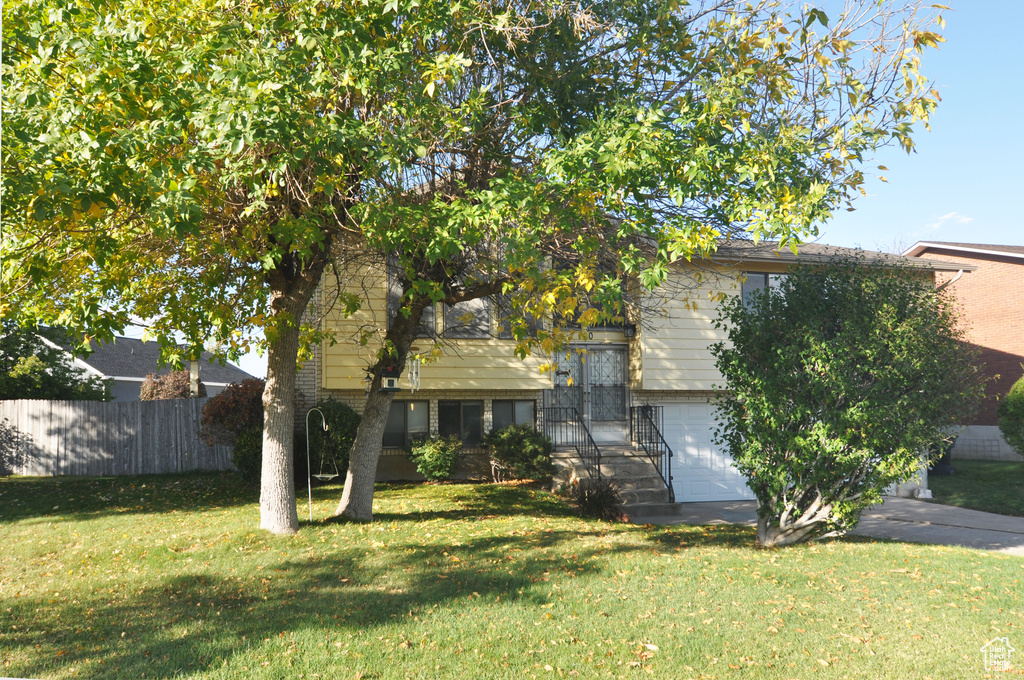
x: 307, y: 388
x: 992, y: 300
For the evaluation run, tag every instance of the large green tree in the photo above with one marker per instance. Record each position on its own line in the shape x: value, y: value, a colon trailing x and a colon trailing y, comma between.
x: 34, y: 366
x: 201, y: 164
x: 593, y: 146
x: 839, y: 381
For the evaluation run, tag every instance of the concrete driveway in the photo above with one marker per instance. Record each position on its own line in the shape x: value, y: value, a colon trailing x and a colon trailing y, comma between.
x: 900, y: 519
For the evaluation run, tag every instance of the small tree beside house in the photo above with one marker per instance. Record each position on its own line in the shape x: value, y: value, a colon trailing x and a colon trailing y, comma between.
x: 1011, y: 416
x: 837, y: 381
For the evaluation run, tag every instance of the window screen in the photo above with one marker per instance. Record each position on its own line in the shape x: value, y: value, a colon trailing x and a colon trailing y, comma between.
x: 427, y: 327
x: 509, y: 412
x: 758, y: 281
x: 407, y: 420
x: 469, y: 319
x: 464, y: 419
x: 504, y: 311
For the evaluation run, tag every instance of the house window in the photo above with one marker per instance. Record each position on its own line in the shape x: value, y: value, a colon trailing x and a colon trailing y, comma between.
x: 464, y: 419
x: 513, y: 412
x: 407, y: 421
x: 469, y: 319
x: 757, y: 281
x: 504, y: 310
x: 426, y: 328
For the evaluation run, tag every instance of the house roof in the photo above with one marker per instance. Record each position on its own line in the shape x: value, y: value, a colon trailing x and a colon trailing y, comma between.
x: 973, y: 248
x: 135, y: 359
x: 741, y: 251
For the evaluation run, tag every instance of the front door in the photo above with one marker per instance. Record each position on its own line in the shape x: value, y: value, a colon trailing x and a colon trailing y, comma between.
x: 593, y: 380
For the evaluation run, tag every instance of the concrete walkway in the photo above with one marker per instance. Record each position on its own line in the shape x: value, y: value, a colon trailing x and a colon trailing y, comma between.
x: 900, y: 519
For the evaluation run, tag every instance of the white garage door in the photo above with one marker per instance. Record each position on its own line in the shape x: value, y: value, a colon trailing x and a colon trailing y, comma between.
x: 701, y: 471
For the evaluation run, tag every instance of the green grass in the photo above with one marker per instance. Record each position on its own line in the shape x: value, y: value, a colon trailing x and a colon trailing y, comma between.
x: 167, y: 577
x: 992, y: 486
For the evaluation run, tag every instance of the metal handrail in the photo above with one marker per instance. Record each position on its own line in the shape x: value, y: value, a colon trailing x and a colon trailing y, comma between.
x: 645, y: 433
x: 560, y: 421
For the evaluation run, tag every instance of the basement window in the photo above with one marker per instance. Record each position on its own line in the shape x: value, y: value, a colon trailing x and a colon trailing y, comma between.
x: 464, y: 419
x: 407, y: 421
x: 513, y: 412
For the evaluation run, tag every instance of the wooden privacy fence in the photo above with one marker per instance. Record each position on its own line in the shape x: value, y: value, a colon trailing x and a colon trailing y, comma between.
x: 92, y: 438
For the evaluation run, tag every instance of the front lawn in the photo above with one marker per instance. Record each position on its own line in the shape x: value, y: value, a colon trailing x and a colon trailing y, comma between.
x: 167, y: 576
x: 992, y: 486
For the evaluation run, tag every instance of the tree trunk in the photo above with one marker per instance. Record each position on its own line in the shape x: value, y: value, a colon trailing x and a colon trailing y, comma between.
x: 277, y: 478
x: 794, y: 525
x: 292, y: 284
x: 769, y: 536
x: 357, y: 498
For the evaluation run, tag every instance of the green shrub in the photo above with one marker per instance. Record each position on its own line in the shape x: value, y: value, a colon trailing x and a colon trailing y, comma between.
x: 598, y: 498
x: 331, y: 448
x: 519, y: 452
x: 1011, y: 416
x: 237, y: 409
x: 173, y: 385
x: 834, y: 381
x: 437, y: 458
x: 247, y: 454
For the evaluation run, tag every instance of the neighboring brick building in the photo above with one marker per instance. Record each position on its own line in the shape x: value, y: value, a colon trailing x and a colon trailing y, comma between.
x: 992, y: 296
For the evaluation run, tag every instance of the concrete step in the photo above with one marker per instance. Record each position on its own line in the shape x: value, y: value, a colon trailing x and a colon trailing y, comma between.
x: 628, y: 469
x: 640, y: 482
x: 638, y: 511
x: 617, y: 472
x: 625, y: 464
x: 635, y: 496
x: 631, y: 471
x: 606, y: 452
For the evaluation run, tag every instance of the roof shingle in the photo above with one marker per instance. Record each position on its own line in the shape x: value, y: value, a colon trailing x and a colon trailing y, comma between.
x: 131, y: 358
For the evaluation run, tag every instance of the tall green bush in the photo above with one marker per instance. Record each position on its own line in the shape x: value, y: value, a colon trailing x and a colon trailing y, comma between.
x: 519, y: 452
x: 247, y: 454
x: 835, y: 382
x: 328, y: 450
x: 1011, y: 416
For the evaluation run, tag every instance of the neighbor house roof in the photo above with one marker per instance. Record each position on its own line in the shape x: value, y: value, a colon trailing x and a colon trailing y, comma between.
x: 972, y: 248
x: 131, y: 359
x: 742, y: 251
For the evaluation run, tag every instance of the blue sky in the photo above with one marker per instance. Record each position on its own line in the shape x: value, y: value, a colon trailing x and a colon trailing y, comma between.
x: 964, y: 181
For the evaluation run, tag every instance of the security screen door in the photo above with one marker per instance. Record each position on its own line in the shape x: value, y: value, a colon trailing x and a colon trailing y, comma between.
x: 592, y: 378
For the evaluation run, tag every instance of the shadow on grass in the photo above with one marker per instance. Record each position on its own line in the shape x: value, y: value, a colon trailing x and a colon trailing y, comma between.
x: 479, y: 501
x: 195, y: 623
x: 181, y: 624
x: 89, y: 497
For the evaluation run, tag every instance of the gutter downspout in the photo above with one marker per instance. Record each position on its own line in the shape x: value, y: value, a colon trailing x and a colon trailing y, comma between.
x: 951, y: 281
